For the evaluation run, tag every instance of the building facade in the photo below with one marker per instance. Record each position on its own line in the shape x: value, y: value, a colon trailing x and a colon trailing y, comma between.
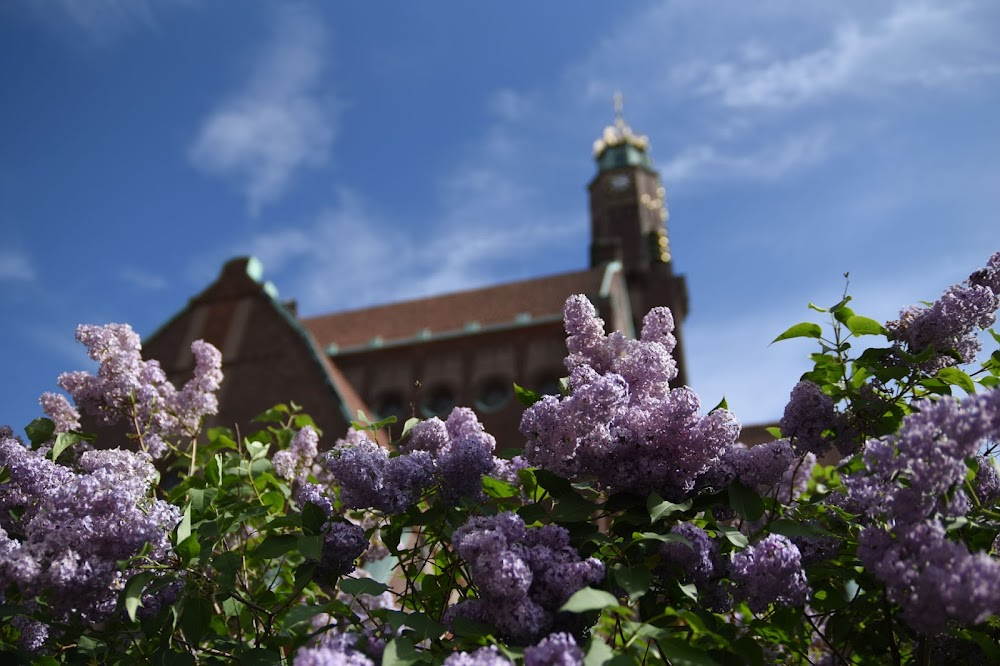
x: 423, y: 357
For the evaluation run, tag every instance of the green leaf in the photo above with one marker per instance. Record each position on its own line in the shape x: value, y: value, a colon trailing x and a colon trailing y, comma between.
x: 213, y: 470
x: 275, y: 545
x: 64, y: 440
x: 792, y: 528
x: 774, y: 431
x: 40, y: 431
x: 184, y: 527
x: 311, y: 547
x: 634, y: 580
x: 195, y: 618
x: 423, y: 626
x: 745, y: 501
x: 843, y: 314
x: 859, y: 325
x: 660, y: 508
x: 690, y: 590
x: 356, y: 586
x: 806, y: 329
x: 958, y: 378
x: 259, y: 657
x: 662, y: 538
x: 133, y: 592
x: 526, y: 397
x: 841, y: 304
x: 722, y: 405
x: 734, y: 536
x: 589, y: 599
x: 401, y: 652
x: 682, y: 654
x: 189, y: 548
x: 256, y: 449
x: 598, y: 652
x: 313, y: 518
x: 408, y: 426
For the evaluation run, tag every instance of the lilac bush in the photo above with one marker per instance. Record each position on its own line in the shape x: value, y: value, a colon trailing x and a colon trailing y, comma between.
x: 622, y: 425
x: 633, y: 529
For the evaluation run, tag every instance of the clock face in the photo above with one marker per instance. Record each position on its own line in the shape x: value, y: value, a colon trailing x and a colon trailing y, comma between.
x: 620, y: 181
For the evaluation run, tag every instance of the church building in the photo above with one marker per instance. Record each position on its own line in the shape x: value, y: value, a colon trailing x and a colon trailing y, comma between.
x: 424, y: 357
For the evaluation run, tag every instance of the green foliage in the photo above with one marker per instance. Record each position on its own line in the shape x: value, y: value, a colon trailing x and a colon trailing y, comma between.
x: 250, y: 588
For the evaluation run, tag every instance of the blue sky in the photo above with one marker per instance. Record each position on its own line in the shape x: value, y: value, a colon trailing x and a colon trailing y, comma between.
x: 369, y: 152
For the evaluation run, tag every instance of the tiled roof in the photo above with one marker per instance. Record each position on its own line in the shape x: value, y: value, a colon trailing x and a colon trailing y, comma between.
x: 516, y: 303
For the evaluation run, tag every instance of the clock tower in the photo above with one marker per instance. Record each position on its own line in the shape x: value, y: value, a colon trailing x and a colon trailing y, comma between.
x: 628, y: 223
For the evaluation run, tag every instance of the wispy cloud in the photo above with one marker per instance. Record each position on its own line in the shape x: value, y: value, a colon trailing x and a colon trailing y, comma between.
x: 141, y: 279
x: 769, y: 163
x: 283, y: 120
x: 905, y: 47
x: 16, y: 266
x: 102, y: 22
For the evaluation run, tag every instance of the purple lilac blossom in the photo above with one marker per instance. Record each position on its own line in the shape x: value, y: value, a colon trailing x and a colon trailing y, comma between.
x: 808, y: 413
x: 949, y: 325
x: 313, y: 493
x: 933, y: 579
x: 72, y: 528
x: 328, y: 656
x: 462, y: 451
x: 63, y: 415
x: 929, y: 451
x: 761, y: 467
x: 554, y: 650
x: 694, y: 560
x: 770, y: 572
x: 297, y: 460
x: 622, y: 424
x: 343, y: 543
x: 987, y: 481
x: 33, y: 634
x: 369, y: 478
x: 911, y: 480
x: 127, y: 387
x: 523, y: 575
x: 485, y: 656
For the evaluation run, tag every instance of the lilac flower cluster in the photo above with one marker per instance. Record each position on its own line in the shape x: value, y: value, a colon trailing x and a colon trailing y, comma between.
x: 523, y: 575
x: 759, y: 468
x: 343, y: 543
x: 622, y: 424
x: 369, y: 478
x: 127, y: 387
x: 296, y: 462
x: 808, y: 413
x: 453, y: 454
x: 462, y: 452
x: 328, y: 655
x: 949, y: 325
x: 485, y: 656
x: 554, y: 650
x: 770, y: 572
x: 933, y: 579
x: 910, y: 481
x: 696, y: 560
x: 63, y: 532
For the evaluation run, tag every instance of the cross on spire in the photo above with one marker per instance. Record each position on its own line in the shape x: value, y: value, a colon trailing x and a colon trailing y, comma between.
x: 619, y: 101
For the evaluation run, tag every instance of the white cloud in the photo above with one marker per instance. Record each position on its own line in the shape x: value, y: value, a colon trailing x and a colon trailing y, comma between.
x: 16, y: 266
x: 769, y: 163
x: 281, y: 122
x: 141, y: 279
x: 509, y: 105
x: 904, y: 47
